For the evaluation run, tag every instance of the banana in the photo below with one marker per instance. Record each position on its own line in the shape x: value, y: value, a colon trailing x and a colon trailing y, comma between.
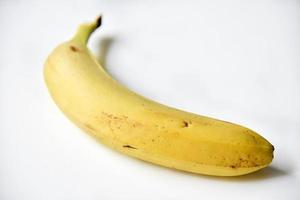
x: 142, y: 128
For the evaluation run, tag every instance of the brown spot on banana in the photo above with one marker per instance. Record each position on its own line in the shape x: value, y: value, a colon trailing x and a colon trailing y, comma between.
x: 185, y: 124
x: 74, y: 49
x: 128, y: 146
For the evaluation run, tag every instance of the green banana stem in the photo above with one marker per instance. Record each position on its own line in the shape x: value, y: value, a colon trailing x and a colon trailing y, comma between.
x: 85, y: 30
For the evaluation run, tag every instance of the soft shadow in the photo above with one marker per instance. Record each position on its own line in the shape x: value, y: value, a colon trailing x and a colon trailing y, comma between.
x: 104, y: 48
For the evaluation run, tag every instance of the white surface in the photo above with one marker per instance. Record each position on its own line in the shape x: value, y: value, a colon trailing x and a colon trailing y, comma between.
x: 238, y: 61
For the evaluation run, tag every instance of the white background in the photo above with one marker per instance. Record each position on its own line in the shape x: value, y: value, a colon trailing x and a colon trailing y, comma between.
x: 234, y: 60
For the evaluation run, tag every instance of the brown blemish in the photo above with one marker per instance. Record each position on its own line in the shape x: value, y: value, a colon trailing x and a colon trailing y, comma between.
x: 255, y: 164
x: 90, y: 127
x: 118, y: 120
x: 185, y: 124
x: 128, y: 146
x: 73, y: 48
x: 232, y: 166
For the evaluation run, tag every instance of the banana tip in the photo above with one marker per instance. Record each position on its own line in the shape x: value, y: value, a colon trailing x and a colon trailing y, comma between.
x: 99, y: 21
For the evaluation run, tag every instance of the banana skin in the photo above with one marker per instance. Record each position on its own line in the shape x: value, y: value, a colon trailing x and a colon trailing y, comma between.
x: 142, y: 128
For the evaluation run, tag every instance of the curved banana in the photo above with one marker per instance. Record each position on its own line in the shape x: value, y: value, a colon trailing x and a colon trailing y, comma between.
x: 142, y: 128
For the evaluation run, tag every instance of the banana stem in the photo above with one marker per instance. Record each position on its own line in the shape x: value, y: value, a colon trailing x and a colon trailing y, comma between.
x: 85, y: 30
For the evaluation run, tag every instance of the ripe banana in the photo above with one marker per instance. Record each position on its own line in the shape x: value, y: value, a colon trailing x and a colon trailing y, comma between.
x: 142, y: 128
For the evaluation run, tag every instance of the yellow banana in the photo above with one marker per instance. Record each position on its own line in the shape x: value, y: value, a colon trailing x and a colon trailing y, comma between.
x: 142, y: 128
